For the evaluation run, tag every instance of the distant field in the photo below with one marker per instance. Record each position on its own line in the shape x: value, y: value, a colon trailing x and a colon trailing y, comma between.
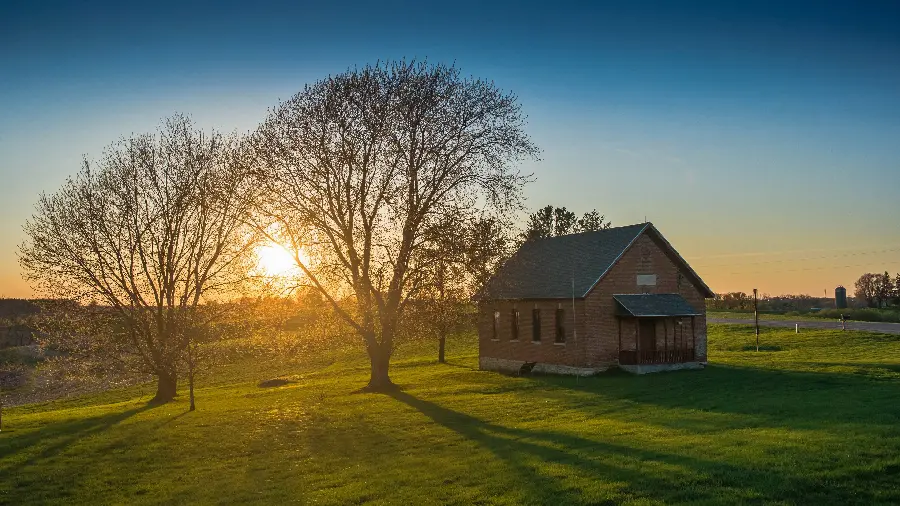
x: 813, y: 420
x: 869, y: 315
x: 762, y: 316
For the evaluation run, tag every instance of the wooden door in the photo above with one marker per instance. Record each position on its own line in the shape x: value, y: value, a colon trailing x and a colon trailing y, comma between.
x: 647, y: 334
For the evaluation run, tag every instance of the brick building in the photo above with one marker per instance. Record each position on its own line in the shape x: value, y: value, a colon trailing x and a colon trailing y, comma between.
x: 580, y: 303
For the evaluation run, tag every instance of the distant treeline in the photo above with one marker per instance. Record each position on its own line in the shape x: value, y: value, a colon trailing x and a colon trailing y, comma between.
x: 14, y: 325
x: 871, y: 290
x: 774, y: 303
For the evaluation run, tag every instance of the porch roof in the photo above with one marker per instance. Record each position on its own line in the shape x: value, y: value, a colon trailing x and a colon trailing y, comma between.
x: 647, y: 305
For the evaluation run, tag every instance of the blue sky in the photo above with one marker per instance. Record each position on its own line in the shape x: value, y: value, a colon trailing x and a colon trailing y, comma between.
x: 761, y: 139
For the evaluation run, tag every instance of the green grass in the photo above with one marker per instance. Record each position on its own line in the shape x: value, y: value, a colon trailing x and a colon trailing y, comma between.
x: 812, y: 421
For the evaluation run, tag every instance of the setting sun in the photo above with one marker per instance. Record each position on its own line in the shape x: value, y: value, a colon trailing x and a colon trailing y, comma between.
x: 276, y: 261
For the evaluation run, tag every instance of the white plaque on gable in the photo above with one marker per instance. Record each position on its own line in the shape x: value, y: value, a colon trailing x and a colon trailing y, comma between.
x: 646, y: 279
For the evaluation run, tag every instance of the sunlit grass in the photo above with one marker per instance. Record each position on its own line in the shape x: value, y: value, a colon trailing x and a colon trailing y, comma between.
x: 812, y: 423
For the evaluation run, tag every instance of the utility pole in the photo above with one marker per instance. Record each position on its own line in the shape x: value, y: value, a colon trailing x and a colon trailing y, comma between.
x: 756, y: 316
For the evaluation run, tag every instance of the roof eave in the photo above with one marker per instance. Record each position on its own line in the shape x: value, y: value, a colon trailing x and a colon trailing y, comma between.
x: 514, y: 299
x: 632, y: 315
x: 703, y: 286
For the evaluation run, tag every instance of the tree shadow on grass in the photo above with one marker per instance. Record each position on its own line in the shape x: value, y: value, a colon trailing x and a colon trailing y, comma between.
x: 51, y: 440
x: 646, y: 473
x: 452, y: 363
x: 794, y: 399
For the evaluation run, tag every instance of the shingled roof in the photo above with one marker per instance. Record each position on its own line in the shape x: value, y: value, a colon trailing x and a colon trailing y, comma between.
x: 654, y: 304
x: 567, y: 266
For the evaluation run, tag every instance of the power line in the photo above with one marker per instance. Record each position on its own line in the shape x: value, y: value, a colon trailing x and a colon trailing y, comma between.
x: 784, y: 252
x: 804, y: 259
x: 799, y: 270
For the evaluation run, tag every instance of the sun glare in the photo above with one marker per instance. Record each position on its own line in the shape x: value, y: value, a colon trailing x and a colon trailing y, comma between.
x: 275, y: 261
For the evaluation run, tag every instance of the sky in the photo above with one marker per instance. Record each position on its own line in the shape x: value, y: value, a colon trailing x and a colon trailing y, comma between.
x: 762, y: 139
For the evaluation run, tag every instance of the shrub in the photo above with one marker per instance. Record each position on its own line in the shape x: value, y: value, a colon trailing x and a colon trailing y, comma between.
x: 867, y: 315
x: 832, y: 313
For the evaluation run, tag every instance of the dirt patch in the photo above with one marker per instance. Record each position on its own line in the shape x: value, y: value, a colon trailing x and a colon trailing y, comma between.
x: 275, y: 382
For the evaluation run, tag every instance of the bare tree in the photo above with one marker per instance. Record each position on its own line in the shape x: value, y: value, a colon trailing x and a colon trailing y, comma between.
x: 152, y: 230
x: 897, y: 289
x: 866, y: 289
x: 211, y: 325
x: 465, y: 256
x: 884, y: 288
x: 489, y: 243
x: 361, y: 168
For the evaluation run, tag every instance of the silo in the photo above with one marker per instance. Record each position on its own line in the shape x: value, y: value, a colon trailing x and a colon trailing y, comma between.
x: 840, y: 297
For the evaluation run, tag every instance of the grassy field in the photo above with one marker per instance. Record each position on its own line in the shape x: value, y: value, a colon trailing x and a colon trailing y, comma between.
x: 813, y: 420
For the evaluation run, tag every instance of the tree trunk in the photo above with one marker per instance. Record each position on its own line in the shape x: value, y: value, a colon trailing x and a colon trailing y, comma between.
x: 442, y: 341
x: 191, y: 377
x: 380, y: 381
x: 191, y: 386
x: 166, y: 386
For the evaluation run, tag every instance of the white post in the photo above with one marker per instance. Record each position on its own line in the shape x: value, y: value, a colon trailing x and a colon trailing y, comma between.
x: 797, y: 328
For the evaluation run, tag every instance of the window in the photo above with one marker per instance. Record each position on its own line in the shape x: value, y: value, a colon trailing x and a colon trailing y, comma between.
x: 496, y: 330
x: 646, y: 282
x: 515, y: 325
x: 560, y: 325
x: 536, y: 325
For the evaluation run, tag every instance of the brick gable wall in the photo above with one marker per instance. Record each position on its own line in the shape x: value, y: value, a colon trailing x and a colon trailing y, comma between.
x: 646, y: 256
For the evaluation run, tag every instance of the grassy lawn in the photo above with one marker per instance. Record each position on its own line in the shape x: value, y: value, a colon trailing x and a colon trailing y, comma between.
x: 813, y: 420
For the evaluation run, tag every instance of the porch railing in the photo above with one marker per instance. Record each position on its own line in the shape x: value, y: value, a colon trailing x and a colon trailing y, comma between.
x: 673, y: 356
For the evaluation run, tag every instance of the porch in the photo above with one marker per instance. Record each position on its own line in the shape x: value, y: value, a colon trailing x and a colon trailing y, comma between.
x: 659, y: 330
x: 673, y: 356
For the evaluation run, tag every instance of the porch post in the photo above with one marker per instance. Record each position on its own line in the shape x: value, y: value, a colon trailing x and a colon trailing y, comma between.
x: 637, y: 340
x: 665, y: 340
x: 693, y: 341
x: 619, y: 321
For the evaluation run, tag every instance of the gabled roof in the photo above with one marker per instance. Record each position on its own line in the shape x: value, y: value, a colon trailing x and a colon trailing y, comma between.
x: 548, y: 268
x: 570, y: 265
x: 654, y: 304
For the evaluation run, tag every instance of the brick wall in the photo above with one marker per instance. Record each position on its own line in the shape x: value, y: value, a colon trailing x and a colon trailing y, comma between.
x: 570, y: 352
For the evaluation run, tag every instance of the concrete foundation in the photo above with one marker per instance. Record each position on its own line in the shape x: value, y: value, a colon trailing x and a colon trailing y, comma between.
x: 513, y: 366
x: 651, y: 368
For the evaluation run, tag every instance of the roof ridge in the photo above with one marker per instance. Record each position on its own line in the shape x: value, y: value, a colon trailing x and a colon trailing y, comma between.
x: 610, y: 229
x: 567, y: 267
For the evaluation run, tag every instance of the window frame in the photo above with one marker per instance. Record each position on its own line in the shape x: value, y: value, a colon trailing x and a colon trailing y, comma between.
x: 515, y: 325
x: 495, y: 336
x: 560, y: 325
x: 536, y: 325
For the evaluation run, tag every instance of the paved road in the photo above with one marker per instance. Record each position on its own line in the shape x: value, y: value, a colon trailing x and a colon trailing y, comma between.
x: 888, y: 328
